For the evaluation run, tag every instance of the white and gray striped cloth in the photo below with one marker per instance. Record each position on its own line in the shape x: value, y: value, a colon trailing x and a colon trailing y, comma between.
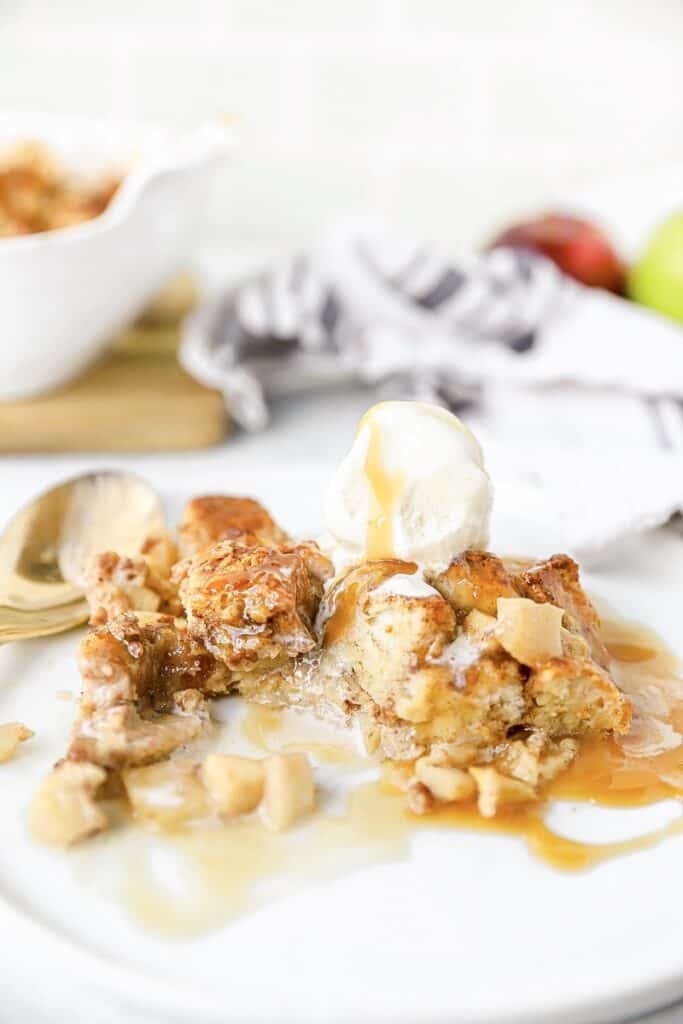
x: 370, y: 306
x: 574, y: 392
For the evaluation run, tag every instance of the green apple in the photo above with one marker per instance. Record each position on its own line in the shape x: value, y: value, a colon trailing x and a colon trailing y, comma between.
x: 657, y: 279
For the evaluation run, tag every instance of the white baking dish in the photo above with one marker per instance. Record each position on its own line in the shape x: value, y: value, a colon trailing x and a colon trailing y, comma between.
x: 63, y: 293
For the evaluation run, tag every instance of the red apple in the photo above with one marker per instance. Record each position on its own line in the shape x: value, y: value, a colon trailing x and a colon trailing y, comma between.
x: 576, y: 246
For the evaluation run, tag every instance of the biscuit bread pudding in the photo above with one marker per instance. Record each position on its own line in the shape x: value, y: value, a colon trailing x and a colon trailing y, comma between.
x: 480, y: 675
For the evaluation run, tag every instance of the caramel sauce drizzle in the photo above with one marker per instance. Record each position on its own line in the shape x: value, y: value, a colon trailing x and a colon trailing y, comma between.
x: 344, y: 599
x: 556, y: 850
x: 344, y: 603
x: 386, y: 490
x: 623, y: 772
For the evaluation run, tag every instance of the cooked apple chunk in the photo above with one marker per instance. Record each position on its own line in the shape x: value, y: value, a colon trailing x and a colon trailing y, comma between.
x: 528, y: 631
x: 234, y: 784
x: 446, y: 785
x: 168, y: 794
x: 289, y: 790
x: 11, y: 735
x: 64, y: 808
x: 496, y: 791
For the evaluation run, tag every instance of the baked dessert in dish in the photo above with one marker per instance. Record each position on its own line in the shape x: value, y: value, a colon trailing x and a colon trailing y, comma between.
x: 37, y: 194
x: 480, y: 676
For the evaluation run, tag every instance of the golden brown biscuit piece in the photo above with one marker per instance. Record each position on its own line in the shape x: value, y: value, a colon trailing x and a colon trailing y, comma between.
x: 491, y: 701
x: 116, y: 584
x: 207, y: 520
x: 422, y: 681
x: 143, y: 691
x: 120, y: 737
x: 573, y: 697
x: 388, y: 637
x: 474, y: 580
x: 253, y: 606
x: 434, y: 679
x: 128, y: 661
x: 557, y: 581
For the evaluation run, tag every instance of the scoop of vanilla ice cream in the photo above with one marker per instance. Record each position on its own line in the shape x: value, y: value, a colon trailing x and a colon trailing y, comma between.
x: 413, y: 486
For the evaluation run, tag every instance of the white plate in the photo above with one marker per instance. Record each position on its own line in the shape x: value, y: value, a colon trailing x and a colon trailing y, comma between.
x: 469, y: 929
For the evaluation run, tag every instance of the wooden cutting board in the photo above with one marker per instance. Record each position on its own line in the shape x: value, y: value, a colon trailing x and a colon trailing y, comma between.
x: 137, y: 398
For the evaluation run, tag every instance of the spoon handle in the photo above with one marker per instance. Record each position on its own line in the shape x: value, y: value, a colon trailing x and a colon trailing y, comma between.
x: 22, y: 625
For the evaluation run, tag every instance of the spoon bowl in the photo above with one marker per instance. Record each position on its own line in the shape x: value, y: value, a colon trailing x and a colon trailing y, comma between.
x: 46, y: 548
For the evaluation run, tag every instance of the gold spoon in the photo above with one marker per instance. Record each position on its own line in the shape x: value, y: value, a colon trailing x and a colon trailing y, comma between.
x: 47, y: 546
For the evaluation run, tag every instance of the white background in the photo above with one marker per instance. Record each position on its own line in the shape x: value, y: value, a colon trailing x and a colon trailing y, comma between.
x: 446, y: 115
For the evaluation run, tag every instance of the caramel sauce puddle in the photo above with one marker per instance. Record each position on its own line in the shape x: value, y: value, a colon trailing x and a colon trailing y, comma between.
x: 233, y: 869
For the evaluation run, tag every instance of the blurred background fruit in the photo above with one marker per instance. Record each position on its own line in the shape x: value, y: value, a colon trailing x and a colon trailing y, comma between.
x: 656, y: 280
x: 579, y: 248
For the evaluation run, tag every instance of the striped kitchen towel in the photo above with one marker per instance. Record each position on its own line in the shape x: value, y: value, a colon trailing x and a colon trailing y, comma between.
x: 577, y: 393
x: 368, y: 305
